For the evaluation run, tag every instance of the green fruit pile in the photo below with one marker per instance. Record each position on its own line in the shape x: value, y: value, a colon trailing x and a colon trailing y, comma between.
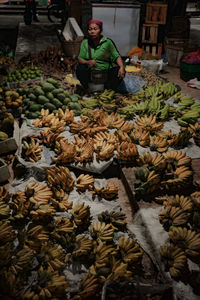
x: 49, y: 95
x: 24, y: 74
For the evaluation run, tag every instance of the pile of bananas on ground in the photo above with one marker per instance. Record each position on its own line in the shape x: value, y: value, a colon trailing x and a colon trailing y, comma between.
x: 37, y: 246
x: 31, y: 149
x: 181, y: 218
x: 170, y: 171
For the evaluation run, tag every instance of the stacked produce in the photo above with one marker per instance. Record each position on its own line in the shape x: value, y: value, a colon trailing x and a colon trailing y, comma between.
x: 6, y: 126
x: 10, y: 99
x: 49, y: 95
x: 181, y: 218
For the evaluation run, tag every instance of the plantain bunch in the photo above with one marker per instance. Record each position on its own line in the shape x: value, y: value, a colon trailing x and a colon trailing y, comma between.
x: 85, y: 182
x: 123, y: 136
x: 149, y: 123
x: 66, y: 151
x: 174, y: 259
x: 127, y: 127
x: 32, y: 150
x: 56, y: 125
x: 37, y: 193
x: 45, y: 119
x: 81, y: 217
x: 67, y: 116
x: 84, y: 152
x: 105, y: 137
x: 117, y: 219
x: 60, y: 179
x: 127, y: 151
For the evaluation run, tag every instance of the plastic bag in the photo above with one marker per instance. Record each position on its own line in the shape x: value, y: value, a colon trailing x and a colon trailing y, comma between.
x: 154, y: 66
x: 131, y: 84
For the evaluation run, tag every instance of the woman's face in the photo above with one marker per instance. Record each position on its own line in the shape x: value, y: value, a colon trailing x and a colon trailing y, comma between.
x: 94, y: 31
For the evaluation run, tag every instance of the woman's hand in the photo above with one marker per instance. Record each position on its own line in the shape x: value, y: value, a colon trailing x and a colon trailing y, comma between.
x: 92, y: 63
x: 121, y: 72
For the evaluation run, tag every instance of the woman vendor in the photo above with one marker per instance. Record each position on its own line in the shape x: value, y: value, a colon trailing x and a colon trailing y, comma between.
x: 97, y: 58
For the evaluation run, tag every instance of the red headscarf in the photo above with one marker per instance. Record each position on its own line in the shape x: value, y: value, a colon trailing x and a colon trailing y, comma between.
x: 96, y: 22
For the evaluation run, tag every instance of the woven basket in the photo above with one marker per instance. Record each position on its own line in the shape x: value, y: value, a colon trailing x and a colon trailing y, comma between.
x: 71, y: 48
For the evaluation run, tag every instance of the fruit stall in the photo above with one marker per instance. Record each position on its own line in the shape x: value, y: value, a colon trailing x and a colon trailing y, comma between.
x: 99, y: 196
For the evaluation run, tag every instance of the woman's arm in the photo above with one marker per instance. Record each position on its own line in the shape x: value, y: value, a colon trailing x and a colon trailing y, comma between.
x: 91, y: 63
x: 120, y: 63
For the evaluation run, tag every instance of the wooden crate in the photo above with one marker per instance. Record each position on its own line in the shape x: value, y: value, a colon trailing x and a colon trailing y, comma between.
x: 156, y: 13
x: 150, y: 33
x: 153, y: 50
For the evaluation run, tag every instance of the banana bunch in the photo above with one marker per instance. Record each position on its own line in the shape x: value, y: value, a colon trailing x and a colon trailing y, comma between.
x: 6, y: 253
x: 22, y: 261
x: 184, y: 101
x: 84, y: 182
x: 36, y: 237
x: 37, y: 193
x: 56, y: 125
x: 62, y: 227
x: 89, y: 289
x: 49, y: 138
x: 103, y: 254
x: 177, y: 158
x: 194, y: 129
x: 104, y: 150
x: 149, y: 123
x: 83, y: 247
x: 186, y: 239
x: 178, y: 201
x: 129, y: 251
x: 182, y: 176
x: 127, y: 127
x: 128, y: 111
x: 158, y: 144
x: 84, y: 152
x: 174, y: 259
x: 141, y: 173
x: 90, y: 104
x: 105, y: 136
x: 140, y: 136
x: 195, y: 197
x: 62, y: 204
x: 67, y: 152
x: 169, y: 136
x: 117, y: 219
x: 164, y: 113
x: 168, y: 89
x: 45, y: 119
x: 189, y: 117
x: 81, y: 216
x: 110, y: 191
x: 91, y: 131
x: 11, y: 285
x: 67, y: 116
x: 80, y: 141
x: 4, y: 195
x: 112, y: 121
x: 154, y: 105
x: 156, y: 161
x: 60, y: 177
x: 53, y: 257
x: 127, y: 151
x: 20, y: 206
x: 6, y: 232
x: 173, y: 216
x: 78, y: 126
x: 88, y: 112
x: 4, y: 209
x: 141, y: 108
x: 148, y: 184
x: 123, y: 136
x: 32, y: 150
x: 13, y: 99
x: 107, y: 97
x: 119, y: 271
x: 102, y: 231
x: 43, y: 211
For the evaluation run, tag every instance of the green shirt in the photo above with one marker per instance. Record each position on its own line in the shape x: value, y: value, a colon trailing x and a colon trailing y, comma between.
x: 104, y: 54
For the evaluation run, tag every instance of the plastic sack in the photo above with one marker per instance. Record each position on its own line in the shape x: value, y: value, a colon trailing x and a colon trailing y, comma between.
x: 131, y: 84
x: 194, y: 83
x: 154, y: 66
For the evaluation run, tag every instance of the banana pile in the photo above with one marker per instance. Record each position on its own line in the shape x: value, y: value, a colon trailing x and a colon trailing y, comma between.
x: 32, y: 151
x: 169, y: 171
